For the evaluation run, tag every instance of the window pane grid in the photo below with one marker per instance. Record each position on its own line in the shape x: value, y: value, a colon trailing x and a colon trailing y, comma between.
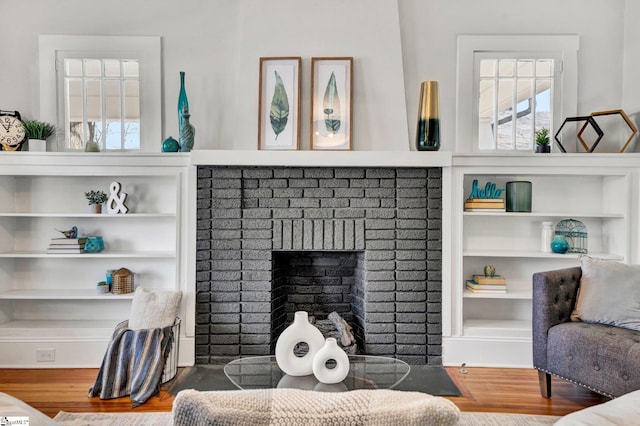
x: 102, y: 103
x: 519, y: 93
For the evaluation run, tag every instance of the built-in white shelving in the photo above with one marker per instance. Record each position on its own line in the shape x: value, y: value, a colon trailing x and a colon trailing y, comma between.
x: 484, y: 324
x: 49, y: 301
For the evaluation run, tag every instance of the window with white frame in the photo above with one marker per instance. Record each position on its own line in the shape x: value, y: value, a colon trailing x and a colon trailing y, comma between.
x: 514, y: 100
x: 509, y: 87
x: 102, y: 89
x: 102, y: 102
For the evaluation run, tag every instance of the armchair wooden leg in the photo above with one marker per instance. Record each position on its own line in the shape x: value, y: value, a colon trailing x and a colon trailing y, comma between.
x: 544, y: 379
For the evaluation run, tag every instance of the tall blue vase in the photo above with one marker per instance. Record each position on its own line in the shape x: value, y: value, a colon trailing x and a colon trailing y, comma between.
x: 183, y: 103
x: 187, y: 132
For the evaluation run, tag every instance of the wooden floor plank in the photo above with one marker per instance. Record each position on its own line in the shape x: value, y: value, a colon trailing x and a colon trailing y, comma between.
x: 504, y: 390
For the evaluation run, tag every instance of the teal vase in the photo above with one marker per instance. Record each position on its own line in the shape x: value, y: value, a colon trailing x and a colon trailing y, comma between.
x: 187, y: 133
x: 559, y: 244
x: 518, y: 196
x: 170, y: 145
x: 94, y: 244
x: 183, y: 103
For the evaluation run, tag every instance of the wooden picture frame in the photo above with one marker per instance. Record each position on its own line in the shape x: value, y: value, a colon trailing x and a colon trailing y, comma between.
x: 279, y: 103
x: 331, y: 103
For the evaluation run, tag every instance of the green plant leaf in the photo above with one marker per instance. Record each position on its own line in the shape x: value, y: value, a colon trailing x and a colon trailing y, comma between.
x: 279, y: 113
x: 35, y: 129
x: 542, y: 136
x: 331, y: 106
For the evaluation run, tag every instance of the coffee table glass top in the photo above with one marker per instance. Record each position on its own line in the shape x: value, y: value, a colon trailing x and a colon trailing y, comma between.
x: 365, y: 372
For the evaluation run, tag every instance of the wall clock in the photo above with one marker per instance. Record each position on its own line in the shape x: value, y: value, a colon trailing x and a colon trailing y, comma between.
x: 12, y: 132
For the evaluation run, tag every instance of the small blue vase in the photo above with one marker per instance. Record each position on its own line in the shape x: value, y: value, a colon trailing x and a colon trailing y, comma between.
x: 170, y: 145
x: 559, y: 244
x: 94, y: 245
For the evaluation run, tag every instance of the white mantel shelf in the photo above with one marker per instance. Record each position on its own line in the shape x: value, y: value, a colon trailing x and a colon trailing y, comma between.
x: 322, y: 158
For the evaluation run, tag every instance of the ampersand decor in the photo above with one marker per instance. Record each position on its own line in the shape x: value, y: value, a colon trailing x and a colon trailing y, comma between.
x: 115, y: 203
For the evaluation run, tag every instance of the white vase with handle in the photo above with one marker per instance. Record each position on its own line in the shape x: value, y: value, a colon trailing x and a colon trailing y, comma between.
x: 331, y: 351
x: 300, y: 331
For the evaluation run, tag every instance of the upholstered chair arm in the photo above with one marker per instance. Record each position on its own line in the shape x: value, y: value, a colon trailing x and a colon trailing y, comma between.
x: 554, y: 296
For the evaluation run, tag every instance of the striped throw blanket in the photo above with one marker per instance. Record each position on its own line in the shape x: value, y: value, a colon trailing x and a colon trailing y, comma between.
x: 133, y: 364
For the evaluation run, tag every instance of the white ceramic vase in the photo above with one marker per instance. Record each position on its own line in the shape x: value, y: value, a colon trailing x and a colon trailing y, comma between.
x: 37, y: 145
x: 298, y: 332
x: 329, y: 351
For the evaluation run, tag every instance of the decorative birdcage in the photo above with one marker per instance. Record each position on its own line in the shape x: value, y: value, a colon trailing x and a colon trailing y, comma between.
x: 122, y: 281
x: 575, y: 233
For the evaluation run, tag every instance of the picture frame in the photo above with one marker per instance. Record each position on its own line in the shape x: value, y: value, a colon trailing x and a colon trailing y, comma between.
x: 279, y: 103
x: 331, y: 103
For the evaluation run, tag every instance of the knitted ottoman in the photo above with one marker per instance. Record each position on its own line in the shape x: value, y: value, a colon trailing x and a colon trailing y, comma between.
x: 280, y: 407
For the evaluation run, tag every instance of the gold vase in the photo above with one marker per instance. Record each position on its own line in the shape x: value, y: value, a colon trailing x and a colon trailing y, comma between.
x: 428, y: 128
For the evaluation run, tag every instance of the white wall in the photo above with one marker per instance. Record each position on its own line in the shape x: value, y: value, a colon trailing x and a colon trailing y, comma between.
x: 396, y: 44
x: 631, y: 65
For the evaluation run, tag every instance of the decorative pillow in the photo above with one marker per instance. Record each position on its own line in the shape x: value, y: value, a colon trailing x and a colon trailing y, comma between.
x: 609, y: 293
x: 154, y: 309
x: 624, y: 410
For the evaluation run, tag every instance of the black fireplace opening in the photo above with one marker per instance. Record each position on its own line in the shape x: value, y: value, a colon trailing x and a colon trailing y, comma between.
x: 319, y: 283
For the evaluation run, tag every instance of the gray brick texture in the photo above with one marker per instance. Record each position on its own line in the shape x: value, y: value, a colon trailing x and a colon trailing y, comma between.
x: 365, y: 242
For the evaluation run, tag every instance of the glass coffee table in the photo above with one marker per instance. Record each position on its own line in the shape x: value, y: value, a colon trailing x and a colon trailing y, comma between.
x: 365, y: 372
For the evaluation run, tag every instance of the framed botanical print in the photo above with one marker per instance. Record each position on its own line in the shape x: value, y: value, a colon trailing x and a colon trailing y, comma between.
x: 331, y: 104
x: 279, y: 103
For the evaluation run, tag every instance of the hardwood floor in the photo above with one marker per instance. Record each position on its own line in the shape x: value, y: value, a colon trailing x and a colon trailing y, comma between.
x: 483, y: 389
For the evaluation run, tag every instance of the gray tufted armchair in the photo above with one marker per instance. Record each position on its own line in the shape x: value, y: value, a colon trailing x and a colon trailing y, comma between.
x: 603, y: 358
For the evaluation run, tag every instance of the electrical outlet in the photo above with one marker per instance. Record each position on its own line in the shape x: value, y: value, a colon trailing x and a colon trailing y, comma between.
x: 45, y: 355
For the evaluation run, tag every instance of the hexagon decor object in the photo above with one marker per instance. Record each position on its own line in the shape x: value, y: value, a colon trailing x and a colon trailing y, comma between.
x: 588, y: 120
x: 626, y: 119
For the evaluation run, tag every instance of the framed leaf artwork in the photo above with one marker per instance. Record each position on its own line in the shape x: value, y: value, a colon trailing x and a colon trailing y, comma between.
x: 279, y: 103
x: 331, y: 104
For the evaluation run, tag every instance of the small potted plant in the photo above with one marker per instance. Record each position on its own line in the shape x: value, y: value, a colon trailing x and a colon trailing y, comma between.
x: 96, y: 198
x: 102, y: 287
x: 542, y: 140
x: 38, y: 132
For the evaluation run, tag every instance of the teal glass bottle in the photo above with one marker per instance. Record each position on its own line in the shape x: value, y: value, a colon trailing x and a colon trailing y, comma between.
x: 428, y: 128
x: 183, y: 102
x: 187, y: 133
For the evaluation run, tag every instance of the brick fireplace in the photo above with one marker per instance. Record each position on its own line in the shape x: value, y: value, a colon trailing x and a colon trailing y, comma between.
x: 372, y: 237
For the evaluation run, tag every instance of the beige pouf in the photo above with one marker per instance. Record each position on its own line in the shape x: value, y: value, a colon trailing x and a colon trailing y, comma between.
x: 280, y: 407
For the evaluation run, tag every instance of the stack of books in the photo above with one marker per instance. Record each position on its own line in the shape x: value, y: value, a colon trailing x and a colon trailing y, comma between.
x: 484, y: 205
x: 486, y: 284
x: 66, y: 245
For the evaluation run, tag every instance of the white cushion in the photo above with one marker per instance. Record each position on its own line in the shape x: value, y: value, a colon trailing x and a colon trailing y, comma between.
x: 154, y: 309
x: 609, y: 293
x: 624, y: 410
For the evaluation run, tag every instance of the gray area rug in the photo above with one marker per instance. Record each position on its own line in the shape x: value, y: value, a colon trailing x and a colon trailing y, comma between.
x: 112, y: 419
x: 431, y: 379
x: 505, y: 419
x: 165, y: 419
